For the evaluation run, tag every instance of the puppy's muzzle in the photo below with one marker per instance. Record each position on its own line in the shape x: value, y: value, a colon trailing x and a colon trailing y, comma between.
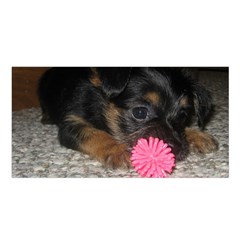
x: 175, y: 140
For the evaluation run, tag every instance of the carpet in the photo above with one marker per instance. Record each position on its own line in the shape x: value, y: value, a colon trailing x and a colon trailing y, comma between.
x: 36, y: 152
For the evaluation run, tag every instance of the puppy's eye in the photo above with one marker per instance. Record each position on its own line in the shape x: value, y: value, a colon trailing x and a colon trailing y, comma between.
x: 140, y: 112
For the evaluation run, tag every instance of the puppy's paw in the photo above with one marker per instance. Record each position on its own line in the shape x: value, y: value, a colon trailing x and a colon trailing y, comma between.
x: 201, y: 142
x: 117, y: 157
x: 101, y: 146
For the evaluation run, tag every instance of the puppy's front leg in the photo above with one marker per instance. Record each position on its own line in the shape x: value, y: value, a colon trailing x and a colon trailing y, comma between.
x: 77, y: 134
x: 200, y: 142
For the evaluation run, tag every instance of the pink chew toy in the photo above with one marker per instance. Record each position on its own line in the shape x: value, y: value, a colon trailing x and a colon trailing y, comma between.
x: 152, y: 158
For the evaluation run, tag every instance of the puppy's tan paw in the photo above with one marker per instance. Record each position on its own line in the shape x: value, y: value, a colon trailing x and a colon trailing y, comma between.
x: 201, y: 142
x: 117, y: 157
x: 101, y: 146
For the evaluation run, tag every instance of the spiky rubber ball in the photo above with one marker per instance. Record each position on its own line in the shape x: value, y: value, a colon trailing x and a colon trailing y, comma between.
x: 152, y: 158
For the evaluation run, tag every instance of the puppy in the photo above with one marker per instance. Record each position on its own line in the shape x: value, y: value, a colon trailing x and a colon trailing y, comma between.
x: 103, y: 111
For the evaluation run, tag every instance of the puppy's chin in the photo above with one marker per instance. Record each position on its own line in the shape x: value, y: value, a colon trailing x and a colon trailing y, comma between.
x: 177, y: 142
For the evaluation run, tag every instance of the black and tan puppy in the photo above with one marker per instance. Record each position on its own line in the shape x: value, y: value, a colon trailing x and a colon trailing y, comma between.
x: 104, y: 111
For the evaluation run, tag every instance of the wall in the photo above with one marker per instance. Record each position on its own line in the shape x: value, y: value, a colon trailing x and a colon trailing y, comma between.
x: 24, y: 86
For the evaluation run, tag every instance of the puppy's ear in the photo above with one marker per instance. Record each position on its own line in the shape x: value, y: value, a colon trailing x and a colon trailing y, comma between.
x: 114, y: 79
x: 202, y: 104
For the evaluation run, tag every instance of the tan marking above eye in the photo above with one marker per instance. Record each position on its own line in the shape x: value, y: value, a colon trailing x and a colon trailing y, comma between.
x: 184, y: 101
x: 152, y: 97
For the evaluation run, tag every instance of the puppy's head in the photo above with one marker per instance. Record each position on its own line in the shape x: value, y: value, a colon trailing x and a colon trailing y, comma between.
x: 158, y: 102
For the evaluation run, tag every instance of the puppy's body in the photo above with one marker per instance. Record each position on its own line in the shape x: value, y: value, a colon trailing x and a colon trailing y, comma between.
x: 103, y: 111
